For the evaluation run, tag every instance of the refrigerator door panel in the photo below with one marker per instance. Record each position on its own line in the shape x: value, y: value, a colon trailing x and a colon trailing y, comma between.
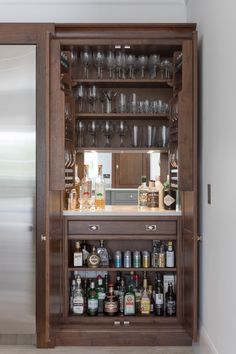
x: 17, y: 188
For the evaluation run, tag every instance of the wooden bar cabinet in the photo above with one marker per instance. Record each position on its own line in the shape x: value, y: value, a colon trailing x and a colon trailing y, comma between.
x: 56, y: 136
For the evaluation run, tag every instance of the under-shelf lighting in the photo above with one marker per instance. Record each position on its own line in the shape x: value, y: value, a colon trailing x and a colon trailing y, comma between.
x: 117, y: 46
x: 127, y: 46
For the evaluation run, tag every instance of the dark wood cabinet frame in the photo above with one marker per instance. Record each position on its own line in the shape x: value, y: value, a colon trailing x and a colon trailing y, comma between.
x: 50, y: 170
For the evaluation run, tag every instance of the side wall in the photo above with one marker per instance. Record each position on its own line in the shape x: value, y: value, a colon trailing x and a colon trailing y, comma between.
x: 217, y: 50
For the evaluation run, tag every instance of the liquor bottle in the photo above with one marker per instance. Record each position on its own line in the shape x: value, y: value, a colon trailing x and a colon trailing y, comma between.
x: 154, y: 256
x: 85, y: 287
x: 72, y: 289
x: 103, y: 254
x: 170, y: 255
x: 78, y: 255
x: 78, y: 298
x: 162, y: 257
x: 142, y: 193
x: 150, y: 293
x: 152, y: 196
x: 85, y: 252
x: 117, y: 283
x: 145, y: 300
x: 93, y: 260
x: 77, y: 187
x: 111, y: 305
x: 159, y: 296
x: 170, y: 301
x: 86, y: 188
x: 169, y: 198
x: 121, y: 296
x: 101, y: 293
x: 137, y: 293
x: 100, y: 190
x: 159, y: 187
x: 92, y: 306
x: 106, y: 282
x: 129, y: 302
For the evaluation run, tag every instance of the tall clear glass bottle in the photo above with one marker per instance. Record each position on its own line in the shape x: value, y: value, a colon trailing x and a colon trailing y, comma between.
x: 103, y: 254
x: 142, y: 193
x: 77, y: 187
x: 100, y: 190
x: 86, y: 188
x: 78, y: 298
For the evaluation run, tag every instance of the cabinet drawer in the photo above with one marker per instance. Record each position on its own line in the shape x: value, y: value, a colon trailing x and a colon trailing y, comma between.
x: 124, y: 197
x: 76, y: 227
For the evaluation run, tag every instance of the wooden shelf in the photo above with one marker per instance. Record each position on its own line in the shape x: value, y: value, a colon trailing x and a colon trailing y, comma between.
x: 132, y: 116
x: 112, y: 269
x: 108, y: 319
x: 122, y: 149
x: 158, y: 83
x: 122, y: 237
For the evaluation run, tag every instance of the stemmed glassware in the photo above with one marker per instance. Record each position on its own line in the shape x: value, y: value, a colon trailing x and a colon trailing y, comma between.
x: 109, y: 96
x: 80, y: 94
x: 108, y: 130
x: 154, y: 64
x: 80, y: 133
x: 111, y: 63
x: 166, y: 68
x: 86, y: 59
x: 99, y: 60
x: 142, y: 61
x: 131, y: 62
x: 122, y: 129
x: 92, y: 129
x: 92, y: 98
x: 120, y: 65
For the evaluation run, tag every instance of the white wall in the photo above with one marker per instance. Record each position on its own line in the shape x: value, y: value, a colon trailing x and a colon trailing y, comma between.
x: 217, y: 33
x: 92, y: 11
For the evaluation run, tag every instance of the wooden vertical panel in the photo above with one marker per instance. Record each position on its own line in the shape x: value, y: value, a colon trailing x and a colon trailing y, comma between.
x: 189, y: 219
x: 57, y: 122
x: 185, y: 133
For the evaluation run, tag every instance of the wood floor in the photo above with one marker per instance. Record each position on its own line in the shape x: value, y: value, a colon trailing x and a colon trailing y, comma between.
x: 22, y: 349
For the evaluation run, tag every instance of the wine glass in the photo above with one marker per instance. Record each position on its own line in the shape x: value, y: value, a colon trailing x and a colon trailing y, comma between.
x: 166, y: 68
x: 111, y: 63
x: 142, y: 61
x: 119, y: 64
x: 109, y: 96
x: 121, y: 106
x: 86, y: 59
x: 80, y: 133
x: 99, y: 60
x: 80, y: 94
x: 122, y: 129
x: 131, y: 61
x: 154, y: 64
x: 92, y: 98
x: 108, y: 130
x: 92, y: 129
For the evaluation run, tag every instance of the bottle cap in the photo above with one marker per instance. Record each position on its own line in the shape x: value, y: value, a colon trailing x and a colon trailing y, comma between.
x: 144, y: 179
x: 151, y: 183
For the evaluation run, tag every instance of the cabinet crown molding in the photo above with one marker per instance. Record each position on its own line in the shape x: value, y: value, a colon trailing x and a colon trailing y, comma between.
x: 95, y: 2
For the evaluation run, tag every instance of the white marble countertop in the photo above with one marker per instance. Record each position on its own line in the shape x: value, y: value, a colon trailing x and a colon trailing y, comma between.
x: 123, y: 210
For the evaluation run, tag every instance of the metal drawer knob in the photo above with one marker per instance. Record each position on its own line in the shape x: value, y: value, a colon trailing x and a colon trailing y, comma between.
x: 116, y: 323
x: 150, y: 227
x: 94, y: 227
x: 126, y: 323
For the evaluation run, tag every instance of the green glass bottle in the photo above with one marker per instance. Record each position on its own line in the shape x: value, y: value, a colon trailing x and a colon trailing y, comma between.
x: 92, y: 305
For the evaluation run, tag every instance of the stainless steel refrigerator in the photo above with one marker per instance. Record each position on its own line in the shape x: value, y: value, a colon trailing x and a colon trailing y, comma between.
x: 17, y: 188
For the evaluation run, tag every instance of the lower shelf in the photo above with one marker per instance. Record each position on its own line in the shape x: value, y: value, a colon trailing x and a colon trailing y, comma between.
x: 165, y: 334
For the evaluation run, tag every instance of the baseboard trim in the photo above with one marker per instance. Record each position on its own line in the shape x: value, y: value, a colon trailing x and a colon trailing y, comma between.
x: 17, y: 339
x: 205, y: 345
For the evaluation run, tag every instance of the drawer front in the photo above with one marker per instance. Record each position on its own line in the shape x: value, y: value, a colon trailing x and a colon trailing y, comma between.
x: 76, y: 227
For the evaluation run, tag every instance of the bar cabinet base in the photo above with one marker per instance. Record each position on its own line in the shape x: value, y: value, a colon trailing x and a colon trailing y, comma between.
x: 127, y: 336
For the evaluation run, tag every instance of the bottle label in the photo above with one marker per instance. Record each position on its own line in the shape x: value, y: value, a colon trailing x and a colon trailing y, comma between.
x: 153, y: 199
x: 101, y: 296
x: 111, y: 306
x: 170, y: 259
x: 78, y: 259
x: 170, y: 308
x: 78, y: 305
x: 162, y: 260
x: 92, y: 304
x: 168, y: 200
x: 159, y: 299
x: 99, y: 196
x: 145, y: 306
x: 93, y: 260
x: 121, y: 301
x: 129, y: 305
x: 143, y: 198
